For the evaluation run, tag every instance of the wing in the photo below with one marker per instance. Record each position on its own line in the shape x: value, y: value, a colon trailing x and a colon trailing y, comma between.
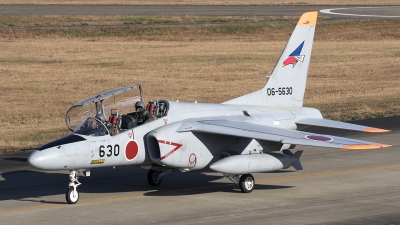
x: 340, y: 125
x: 268, y: 133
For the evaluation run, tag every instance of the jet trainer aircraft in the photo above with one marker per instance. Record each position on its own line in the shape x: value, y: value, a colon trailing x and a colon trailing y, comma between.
x: 249, y: 134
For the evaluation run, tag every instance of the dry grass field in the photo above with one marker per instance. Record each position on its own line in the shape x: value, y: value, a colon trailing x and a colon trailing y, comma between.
x: 354, y: 71
x: 46, y: 21
x: 209, y: 2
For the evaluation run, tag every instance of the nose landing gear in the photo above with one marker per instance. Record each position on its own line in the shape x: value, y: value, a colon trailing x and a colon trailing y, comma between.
x: 72, y: 195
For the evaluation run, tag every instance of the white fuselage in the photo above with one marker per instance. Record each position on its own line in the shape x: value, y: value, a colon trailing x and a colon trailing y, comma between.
x: 157, y: 142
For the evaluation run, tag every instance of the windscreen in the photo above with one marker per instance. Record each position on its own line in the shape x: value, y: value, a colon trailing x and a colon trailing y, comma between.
x: 91, y: 127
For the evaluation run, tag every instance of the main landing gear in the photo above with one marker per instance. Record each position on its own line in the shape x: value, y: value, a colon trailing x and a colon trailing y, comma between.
x: 245, y: 182
x: 72, y: 195
x: 154, y: 177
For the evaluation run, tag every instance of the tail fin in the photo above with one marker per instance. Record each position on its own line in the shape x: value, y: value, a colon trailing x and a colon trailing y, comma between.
x: 287, y: 83
x: 296, y: 156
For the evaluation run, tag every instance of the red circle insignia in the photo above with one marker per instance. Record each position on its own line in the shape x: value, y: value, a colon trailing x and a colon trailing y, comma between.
x: 131, y: 150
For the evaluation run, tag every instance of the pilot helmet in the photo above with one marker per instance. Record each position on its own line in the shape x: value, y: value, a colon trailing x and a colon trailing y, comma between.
x: 139, y: 104
x: 101, y: 117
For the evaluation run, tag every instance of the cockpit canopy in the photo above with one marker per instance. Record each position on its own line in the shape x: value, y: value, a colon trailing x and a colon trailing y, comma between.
x: 109, y: 103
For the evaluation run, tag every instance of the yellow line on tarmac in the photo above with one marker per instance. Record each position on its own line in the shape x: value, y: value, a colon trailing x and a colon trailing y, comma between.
x: 96, y: 200
x: 338, y: 172
x: 30, y: 208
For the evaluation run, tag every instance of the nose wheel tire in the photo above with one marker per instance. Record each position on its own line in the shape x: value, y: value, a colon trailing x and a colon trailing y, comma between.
x: 72, y: 195
x: 154, y: 177
x: 246, y: 183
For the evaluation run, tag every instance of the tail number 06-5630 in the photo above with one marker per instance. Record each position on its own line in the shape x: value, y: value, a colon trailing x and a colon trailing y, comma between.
x: 111, y: 150
x: 280, y: 91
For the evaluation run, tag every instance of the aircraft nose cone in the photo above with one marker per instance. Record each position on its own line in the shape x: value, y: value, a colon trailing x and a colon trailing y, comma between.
x: 36, y: 159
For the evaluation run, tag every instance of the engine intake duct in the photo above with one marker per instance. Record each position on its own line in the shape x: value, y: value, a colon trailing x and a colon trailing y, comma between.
x: 154, y: 149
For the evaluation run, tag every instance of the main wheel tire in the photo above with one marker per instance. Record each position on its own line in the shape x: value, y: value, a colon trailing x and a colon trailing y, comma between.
x: 246, y: 183
x: 72, y: 196
x: 153, y: 177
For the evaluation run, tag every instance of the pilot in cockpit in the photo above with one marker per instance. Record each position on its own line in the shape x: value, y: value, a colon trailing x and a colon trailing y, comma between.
x: 142, y: 114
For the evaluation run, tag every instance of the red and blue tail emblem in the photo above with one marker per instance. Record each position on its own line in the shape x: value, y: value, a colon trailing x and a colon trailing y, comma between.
x: 294, y: 57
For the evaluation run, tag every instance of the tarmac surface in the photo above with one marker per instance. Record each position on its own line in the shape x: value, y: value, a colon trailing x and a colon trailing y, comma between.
x: 340, y: 12
x: 335, y: 187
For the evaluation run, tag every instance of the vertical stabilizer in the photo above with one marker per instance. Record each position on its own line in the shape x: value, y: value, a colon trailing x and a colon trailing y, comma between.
x: 287, y: 83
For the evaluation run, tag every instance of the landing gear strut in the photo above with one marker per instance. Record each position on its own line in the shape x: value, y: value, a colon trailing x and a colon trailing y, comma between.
x: 245, y: 182
x: 72, y: 195
x: 154, y: 177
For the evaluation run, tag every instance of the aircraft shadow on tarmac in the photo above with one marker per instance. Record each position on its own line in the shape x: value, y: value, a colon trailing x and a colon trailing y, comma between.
x: 212, y: 188
x: 27, y: 185
x: 17, y: 159
x: 30, y: 184
x: 197, y: 182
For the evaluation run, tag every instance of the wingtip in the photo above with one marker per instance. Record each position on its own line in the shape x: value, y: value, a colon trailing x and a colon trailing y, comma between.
x: 364, y: 147
x: 375, y: 130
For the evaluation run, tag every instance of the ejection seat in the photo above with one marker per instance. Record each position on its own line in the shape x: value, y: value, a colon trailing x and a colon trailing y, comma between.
x: 113, y: 121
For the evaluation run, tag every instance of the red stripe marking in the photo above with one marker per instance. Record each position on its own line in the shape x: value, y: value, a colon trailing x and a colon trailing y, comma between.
x: 177, y: 146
